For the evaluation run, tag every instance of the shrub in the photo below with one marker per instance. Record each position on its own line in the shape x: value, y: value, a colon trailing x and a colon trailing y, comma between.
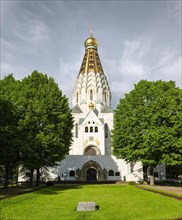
x: 131, y: 182
x: 49, y: 183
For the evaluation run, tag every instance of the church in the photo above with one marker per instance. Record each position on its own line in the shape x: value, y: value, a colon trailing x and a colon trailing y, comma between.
x: 90, y: 157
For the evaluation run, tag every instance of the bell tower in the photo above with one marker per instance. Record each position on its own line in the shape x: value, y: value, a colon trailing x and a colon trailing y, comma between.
x: 92, y: 89
x: 91, y: 100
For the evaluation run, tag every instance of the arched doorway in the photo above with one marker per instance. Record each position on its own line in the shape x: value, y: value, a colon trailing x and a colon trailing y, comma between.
x: 91, y: 171
x: 91, y: 175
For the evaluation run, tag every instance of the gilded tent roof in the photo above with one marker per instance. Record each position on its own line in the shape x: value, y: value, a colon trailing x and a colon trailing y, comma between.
x: 91, y: 60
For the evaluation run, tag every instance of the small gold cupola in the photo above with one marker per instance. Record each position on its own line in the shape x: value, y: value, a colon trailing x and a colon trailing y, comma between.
x: 91, y: 61
x: 91, y: 41
x: 91, y: 105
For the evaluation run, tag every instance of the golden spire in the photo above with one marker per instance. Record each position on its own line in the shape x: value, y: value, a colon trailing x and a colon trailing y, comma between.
x: 91, y: 61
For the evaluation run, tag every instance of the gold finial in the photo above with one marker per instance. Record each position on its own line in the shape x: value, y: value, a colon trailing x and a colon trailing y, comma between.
x: 91, y: 32
x: 91, y: 41
x: 91, y: 105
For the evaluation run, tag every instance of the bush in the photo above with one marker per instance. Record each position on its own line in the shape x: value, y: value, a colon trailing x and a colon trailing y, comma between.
x: 132, y: 183
x: 49, y: 183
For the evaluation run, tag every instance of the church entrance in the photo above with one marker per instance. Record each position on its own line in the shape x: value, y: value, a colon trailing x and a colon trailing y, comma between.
x: 91, y: 171
x: 91, y: 175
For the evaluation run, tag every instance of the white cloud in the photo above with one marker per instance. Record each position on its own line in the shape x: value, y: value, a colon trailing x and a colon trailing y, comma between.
x: 33, y: 30
x: 67, y: 77
x: 175, y: 10
x: 131, y: 66
x: 135, y: 64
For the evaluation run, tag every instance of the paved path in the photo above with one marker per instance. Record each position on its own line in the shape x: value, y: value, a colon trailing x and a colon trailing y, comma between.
x: 174, y: 189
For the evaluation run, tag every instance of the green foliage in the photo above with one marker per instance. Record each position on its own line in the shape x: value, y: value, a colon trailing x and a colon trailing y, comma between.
x: 46, y: 121
x: 36, y: 121
x: 132, y: 183
x: 114, y: 201
x: 148, y: 125
x: 10, y: 141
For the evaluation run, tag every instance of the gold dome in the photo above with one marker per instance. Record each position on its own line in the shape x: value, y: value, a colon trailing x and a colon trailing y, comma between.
x: 91, y: 42
x: 91, y: 105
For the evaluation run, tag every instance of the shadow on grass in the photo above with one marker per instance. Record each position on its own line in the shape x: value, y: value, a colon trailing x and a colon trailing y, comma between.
x: 48, y: 190
x: 57, y: 189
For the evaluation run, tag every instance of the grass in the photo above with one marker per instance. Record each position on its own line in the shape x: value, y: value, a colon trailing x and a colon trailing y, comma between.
x: 115, y: 202
x: 16, y: 190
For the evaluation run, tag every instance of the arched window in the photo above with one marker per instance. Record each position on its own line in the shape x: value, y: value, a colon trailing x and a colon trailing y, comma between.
x: 111, y: 173
x: 91, y: 129
x: 76, y: 130
x: 91, y: 95
x: 90, y: 151
x: 86, y: 129
x: 96, y: 129
x: 72, y: 173
x: 77, y: 97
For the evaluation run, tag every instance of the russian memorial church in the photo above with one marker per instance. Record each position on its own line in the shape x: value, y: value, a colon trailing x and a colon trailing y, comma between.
x: 90, y: 157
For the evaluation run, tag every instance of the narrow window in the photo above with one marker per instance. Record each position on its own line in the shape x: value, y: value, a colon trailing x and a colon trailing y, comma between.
x: 111, y: 173
x: 106, y: 131
x: 105, y: 97
x: 86, y: 129
x: 96, y: 129
x: 76, y: 130
x: 91, y: 95
x: 91, y: 129
x: 131, y: 167
x: 77, y: 97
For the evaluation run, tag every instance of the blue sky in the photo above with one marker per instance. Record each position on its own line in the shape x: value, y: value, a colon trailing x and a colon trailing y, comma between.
x: 137, y: 40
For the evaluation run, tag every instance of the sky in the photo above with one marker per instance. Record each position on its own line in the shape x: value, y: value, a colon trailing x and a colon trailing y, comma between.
x: 137, y: 40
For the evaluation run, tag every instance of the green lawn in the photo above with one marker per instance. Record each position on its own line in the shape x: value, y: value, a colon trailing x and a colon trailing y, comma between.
x: 114, y: 201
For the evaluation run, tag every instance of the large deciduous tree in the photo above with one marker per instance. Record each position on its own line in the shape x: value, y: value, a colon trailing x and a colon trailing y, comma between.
x: 36, y: 123
x: 148, y: 125
x: 46, y: 122
x: 10, y: 138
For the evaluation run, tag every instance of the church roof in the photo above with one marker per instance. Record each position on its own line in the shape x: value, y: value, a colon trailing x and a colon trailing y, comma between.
x: 107, y: 109
x: 93, y: 115
x: 91, y: 60
x: 76, y: 109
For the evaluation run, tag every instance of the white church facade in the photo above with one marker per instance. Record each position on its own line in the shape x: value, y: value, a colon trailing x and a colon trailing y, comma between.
x: 90, y: 157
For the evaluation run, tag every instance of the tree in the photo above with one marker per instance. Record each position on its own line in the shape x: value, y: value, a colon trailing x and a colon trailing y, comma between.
x: 10, y: 141
x: 36, y: 123
x: 147, y: 125
x: 46, y: 122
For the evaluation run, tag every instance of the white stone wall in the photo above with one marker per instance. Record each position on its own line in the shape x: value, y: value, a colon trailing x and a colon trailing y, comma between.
x: 108, y: 162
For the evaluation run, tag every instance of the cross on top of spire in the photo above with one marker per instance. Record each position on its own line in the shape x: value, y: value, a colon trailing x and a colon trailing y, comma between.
x: 91, y: 32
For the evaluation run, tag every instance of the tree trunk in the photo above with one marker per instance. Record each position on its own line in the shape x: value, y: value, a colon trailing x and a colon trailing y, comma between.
x: 31, y: 177
x: 6, y: 176
x: 38, y: 177
x: 151, y: 175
